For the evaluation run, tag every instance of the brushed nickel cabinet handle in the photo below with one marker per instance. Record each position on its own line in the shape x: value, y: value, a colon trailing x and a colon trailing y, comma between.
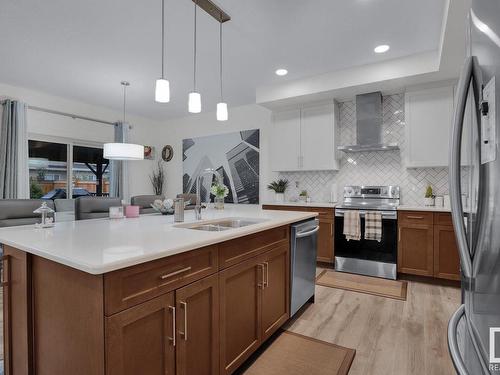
x: 163, y: 277
x: 5, y: 276
x: 185, y: 333
x: 415, y: 217
x: 266, y: 281
x: 399, y: 234
x: 261, y: 283
x: 174, y: 333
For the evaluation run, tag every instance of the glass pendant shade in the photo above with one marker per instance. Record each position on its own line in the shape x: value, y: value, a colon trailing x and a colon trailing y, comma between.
x: 123, y: 151
x: 222, y: 112
x: 162, y: 91
x: 194, y: 105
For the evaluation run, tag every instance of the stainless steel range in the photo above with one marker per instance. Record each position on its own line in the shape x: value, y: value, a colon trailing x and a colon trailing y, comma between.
x: 368, y: 257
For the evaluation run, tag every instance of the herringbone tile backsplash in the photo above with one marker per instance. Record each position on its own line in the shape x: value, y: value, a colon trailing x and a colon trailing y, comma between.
x: 371, y: 168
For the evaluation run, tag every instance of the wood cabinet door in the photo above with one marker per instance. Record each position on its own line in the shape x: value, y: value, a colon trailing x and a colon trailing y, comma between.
x: 16, y: 312
x: 275, y: 293
x: 139, y: 340
x: 446, y: 258
x: 325, y: 241
x: 197, y: 306
x: 240, y: 306
x: 416, y: 249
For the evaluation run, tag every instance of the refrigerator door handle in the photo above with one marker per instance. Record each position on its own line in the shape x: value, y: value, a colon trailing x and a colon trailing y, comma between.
x: 470, y: 73
x: 456, y: 358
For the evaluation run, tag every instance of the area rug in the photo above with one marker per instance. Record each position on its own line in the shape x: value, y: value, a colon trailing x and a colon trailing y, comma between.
x: 364, y: 284
x: 294, y: 354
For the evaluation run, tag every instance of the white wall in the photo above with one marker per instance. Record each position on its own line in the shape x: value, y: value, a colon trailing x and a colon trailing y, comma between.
x: 144, y: 131
x: 240, y: 118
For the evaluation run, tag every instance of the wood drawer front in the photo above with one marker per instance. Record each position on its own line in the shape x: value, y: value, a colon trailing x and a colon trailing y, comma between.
x: 416, y: 217
x: 284, y: 208
x: 133, y: 285
x: 235, y: 251
x: 443, y: 218
x: 325, y: 213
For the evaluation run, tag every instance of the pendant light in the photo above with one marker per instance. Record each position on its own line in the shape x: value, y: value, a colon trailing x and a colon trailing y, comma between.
x: 162, y: 89
x: 194, y: 103
x: 123, y: 151
x: 221, y: 106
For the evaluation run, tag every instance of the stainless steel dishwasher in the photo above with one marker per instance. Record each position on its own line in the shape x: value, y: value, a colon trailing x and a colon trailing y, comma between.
x: 304, y: 239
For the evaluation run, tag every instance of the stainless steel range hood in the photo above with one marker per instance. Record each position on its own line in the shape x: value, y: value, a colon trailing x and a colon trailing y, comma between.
x: 369, y: 125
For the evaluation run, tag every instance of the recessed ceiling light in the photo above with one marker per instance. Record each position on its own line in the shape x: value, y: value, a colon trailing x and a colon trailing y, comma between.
x: 382, y: 48
x: 281, y: 72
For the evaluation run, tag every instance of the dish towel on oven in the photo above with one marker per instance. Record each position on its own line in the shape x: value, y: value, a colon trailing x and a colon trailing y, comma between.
x: 373, y: 226
x: 352, y: 225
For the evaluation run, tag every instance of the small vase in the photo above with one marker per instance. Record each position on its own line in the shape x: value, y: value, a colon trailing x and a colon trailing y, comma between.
x: 219, y: 203
x: 428, y: 202
x: 279, y: 197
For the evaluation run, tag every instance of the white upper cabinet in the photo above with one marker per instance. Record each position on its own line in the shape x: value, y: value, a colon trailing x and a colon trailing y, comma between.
x: 428, y: 117
x: 285, y: 141
x: 305, y: 139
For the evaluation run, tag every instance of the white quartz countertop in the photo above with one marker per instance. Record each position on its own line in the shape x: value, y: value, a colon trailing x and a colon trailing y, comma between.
x: 424, y: 208
x: 103, y: 245
x: 302, y: 204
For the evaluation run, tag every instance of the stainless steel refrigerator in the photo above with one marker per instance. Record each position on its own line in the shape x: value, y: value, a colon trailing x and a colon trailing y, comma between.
x: 474, y: 329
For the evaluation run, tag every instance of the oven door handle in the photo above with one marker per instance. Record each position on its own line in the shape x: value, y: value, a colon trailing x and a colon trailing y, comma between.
x: 385, y: 215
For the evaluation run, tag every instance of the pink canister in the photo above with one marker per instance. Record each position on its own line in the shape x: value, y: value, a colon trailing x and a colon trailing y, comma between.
x: 132, y: 211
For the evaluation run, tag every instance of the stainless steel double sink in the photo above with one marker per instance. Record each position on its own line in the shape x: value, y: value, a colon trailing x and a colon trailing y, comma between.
x: 222, y: 224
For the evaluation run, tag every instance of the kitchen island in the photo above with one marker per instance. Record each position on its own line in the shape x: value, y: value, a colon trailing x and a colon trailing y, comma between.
x: 145, y: 295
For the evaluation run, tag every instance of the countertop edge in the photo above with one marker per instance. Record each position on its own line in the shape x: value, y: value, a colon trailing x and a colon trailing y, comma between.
x: 222, y: 237
x: 302, y: 204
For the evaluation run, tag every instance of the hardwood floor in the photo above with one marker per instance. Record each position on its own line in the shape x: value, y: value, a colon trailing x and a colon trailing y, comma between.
x: 390, y: 336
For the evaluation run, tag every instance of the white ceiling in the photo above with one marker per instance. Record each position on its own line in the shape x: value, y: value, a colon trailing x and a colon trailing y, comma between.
x: 83, y: 49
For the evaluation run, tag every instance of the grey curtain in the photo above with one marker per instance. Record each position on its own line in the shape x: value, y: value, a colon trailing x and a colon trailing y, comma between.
x: 119, y: 184
x: 13, y: 151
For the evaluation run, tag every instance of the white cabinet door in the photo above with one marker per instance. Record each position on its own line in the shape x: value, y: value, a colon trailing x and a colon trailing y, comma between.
x: 317, y: 131
x: 285, y: 141
x: 428, y: 115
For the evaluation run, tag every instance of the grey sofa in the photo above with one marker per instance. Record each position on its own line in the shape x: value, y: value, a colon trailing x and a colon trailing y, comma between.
x: 14, y: 212
x: 94, y: 207
x: 144, y: 202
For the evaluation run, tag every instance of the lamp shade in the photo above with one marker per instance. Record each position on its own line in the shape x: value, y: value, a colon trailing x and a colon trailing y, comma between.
x: 194, y: 105
x: 123, y: 151
x: 162, y: 91
x: 222, y: 112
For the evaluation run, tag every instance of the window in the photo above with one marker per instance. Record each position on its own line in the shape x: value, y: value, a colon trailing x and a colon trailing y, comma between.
x: 56, y: 167
x: 46, y: 161
x: 90, y: 171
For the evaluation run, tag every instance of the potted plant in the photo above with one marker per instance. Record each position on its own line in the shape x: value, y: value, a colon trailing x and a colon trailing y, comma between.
x: 279, y: 187
x: 220, y: 191
x: 429, y: 196
x: 158, y: 178
x: 303, y: 195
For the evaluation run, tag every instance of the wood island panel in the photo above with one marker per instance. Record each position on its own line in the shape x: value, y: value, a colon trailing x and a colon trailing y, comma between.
x: 68, y: 320
x: 61, y: 321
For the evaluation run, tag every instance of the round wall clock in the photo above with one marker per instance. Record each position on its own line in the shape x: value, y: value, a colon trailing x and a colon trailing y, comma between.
x: 167, y: 153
